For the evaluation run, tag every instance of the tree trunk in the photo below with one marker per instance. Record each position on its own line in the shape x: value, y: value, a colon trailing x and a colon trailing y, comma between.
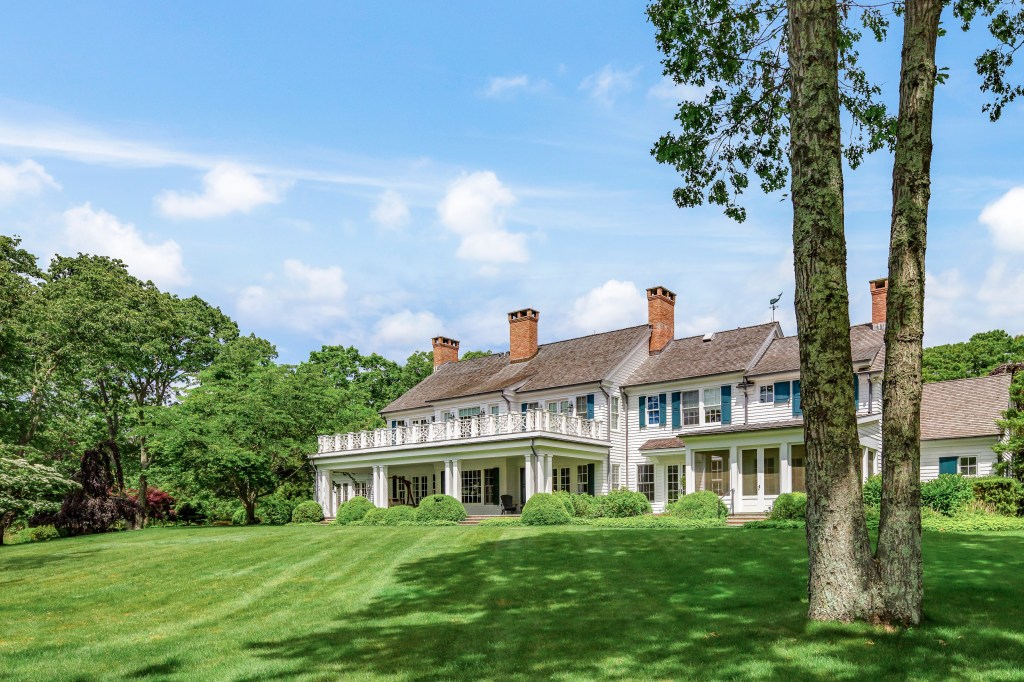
x: 6, y: 520
x: 143, y: 498
x: 841, y: 566
x: 899, y: 530
x: 250, y: 511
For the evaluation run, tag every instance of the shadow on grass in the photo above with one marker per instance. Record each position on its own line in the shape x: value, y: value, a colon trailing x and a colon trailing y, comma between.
x: 660, y: 605
x: 34, y: 561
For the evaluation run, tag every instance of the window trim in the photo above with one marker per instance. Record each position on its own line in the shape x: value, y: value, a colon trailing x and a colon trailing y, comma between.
x: 673, y: 489
x: 645, y: 480
x: 707, y: 409
x: 766, y: 394
x: 964, y: 465
x: 614, y: 413
x: 654, y: 400
x: 692, y: 419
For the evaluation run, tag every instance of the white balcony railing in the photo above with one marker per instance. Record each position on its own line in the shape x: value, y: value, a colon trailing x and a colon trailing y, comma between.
x: 481, y: 426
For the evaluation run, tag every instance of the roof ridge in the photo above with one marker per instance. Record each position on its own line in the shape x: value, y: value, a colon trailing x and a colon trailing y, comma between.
x: 726, y: 331
x: 588, y: 336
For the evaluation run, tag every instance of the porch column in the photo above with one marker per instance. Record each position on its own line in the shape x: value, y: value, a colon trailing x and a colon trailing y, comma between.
x: 691, y: 482
x: 530, y: 477
x: 863, y: 465
x: 447, y: 477
x: 544, y: 473
x: 734, y: 480
x: 785, y: 470
x: 457, y: 480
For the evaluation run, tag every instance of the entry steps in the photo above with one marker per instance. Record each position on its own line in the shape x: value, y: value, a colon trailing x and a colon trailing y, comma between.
x: 737, y: 520
x: 475, y: 519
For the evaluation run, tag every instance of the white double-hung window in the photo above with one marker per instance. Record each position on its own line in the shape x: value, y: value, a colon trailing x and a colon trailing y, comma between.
x: 767, y: 394
x: 712, y: 405
x: 615, y: 413
x: 560, y: 406
x: 653, y: 411
x: 691, y: 408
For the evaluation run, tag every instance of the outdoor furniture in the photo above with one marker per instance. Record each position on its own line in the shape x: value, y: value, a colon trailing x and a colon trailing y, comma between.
x: 507, y: 505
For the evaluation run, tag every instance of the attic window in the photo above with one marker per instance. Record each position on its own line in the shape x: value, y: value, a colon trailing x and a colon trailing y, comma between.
x: 708, y: 336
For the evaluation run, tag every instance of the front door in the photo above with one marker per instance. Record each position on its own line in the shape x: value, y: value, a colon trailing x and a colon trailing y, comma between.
x: 761, y: 477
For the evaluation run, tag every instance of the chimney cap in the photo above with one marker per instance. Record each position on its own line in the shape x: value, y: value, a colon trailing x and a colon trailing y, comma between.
x: 880, y: 283
x: 444, y: 341
x: 661, y: 291
x: 524, y: 314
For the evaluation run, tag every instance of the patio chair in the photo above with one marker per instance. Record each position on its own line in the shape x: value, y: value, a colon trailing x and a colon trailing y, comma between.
x: 507, y: 505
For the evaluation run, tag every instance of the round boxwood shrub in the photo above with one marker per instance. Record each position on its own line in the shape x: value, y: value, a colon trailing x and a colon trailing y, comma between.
x: 274, y: 510
x: 789, y: 506
x: 622, y: 503
x: 947, y: 494
x: 307, y: 512
x: 545, y: 509
x: 704, y: 504
x: 872, y: 491
x: 440, y: 508
x: 400, y: 515
x: 375, y: 517
x: 353, y: 510
x: 238, y: 518
x: 583, y: 505
x: 565, y: 497
x: 1001, y: 493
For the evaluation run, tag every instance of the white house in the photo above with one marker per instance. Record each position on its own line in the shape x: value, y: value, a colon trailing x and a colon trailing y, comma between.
x: 634, y: 408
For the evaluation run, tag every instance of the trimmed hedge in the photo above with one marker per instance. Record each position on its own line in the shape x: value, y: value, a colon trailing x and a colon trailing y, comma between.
x: 353, y: 510
x: 788, y: 507
x: 947, y: 494
x: 308, y: 512
x: 274, y: 510
x: 700, y: 505
x: 501, y: 521
x: 872, y: 491
x: 545, y: 509
x: 440, y: 508
x: 1001, y: 493
x: 577, y: 504
x: 776, y: 524
x: 621, y: 503
x: 400, y: 514
x: 374, y: 517
x: 971, y: 523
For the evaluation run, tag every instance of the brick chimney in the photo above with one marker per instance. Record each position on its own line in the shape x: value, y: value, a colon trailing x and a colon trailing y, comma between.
x: 445, y: 350
x: 661, y: 317
x: 522, y: 334
x: 879, y: 296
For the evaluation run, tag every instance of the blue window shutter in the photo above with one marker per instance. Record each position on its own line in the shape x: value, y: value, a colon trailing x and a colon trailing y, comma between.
x: 796, y: 398
x: 781, y: 391
x: 394, y: 423
x: 676, y: 422
x: 948, y: 465
x: 522, y: 408
x: 442, y: 491
x: 727, y: 404
x: 590, y: 406
x: 591, y: 476
x: 856, y: 390
x: 662, y: 399
x: 643, y: 411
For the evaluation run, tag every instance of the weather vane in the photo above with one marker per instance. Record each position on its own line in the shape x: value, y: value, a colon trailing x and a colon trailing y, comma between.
x: 774, y: 303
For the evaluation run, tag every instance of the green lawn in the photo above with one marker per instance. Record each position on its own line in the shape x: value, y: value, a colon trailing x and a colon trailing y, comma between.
x: 325, y: 603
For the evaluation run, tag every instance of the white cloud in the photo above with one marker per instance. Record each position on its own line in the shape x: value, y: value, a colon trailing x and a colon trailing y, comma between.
x: 302, y: 297
x: 98, y: 232
x: 613, y: 305
x: 391, y: 211
x: 1005, y: 220
x: 227, y: 188
x: 474, y: 210
x: 27, y: 178
x: 944, y: 293
x: 697, y: 326
x: 608, y: 83
x: 1001, y: 292
x: 406, y: 329
x: 504, y: 86
x: 669, y: 91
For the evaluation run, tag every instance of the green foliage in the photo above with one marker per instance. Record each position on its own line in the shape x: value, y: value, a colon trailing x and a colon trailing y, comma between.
x: 1001, y: 493
x: 436, y: 522
x: 35, y: 534
x: 501, y: 521
x: 776, y: 524
x: 353, y: 510
x: 28, y: 488
x: 274, y: 510
x: 971, y: 522
x: 651, y: 521
x: 545, y: 509
x: 973, y: 358
x: 309, y: 511
x: 372, y: 380
x: 872, y: 515
x: 788, y: 507
x: 577, y: 504
x: 375, y: 517
x: 947, y: 494
x: 440, y: 508
x: 704, y: 504
x: 872, y: 491
x: 1012, y: 446
x: 621, y: 503
x: 472, y: 354
x: 400, y: 514
x: 239, y: 518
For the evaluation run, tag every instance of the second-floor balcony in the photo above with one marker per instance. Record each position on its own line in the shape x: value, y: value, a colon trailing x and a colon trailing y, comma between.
x: 480, y: 426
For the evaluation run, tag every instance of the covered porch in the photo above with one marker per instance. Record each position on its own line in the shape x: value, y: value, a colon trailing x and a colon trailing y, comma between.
x: 478, y: 475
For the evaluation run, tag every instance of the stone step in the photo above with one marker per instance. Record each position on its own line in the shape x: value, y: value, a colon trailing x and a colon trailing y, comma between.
x: 475, y: 519
x: 738, y: 520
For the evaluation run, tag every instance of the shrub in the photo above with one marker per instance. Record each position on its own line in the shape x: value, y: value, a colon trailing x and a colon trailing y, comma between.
x: 35, y: 534
x: 502, y: 521
x: 399, y: 515
x: 375, y: 517
x: 776, y: 524
x: 308, y: 512
x: 700, y: 505
x: 91, y: 508
x: 545, y: 509
x: 583, y: 505
x: 436, y: 522
x: 238, y: 518
x: 948, y: 494
x: 274, y: 510
x: 622, y: 503
x: 565, y: 498
x: 353, y: 510
x: 872, y: 491
x: 188, y: 512
x: 970, y: 523
x: 1003, y: 494
x: 872, y: 514
x: 789, y: 506
x: 440, y: 508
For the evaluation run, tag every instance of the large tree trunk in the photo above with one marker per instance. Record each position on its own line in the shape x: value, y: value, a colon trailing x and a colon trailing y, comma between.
x: 839, y: 552
x: 143, y: 513
x: 899, y: 531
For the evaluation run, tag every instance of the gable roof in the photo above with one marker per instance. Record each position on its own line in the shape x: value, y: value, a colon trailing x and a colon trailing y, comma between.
x: 728, y: 351
x: 583, y: 360
x: 964, y: 408
x: 783, y: 355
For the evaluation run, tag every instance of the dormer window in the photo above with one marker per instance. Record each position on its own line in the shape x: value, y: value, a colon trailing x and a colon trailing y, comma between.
x: 653, y: 411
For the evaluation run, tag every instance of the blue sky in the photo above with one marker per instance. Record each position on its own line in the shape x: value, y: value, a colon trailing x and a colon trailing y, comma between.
x: 378, y: 174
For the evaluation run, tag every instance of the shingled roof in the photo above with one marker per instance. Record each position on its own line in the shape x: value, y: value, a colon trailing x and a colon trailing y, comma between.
x: 783, y: 355
x: 964, y: 408
x: 728, y: 351
x: 583, y: 360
